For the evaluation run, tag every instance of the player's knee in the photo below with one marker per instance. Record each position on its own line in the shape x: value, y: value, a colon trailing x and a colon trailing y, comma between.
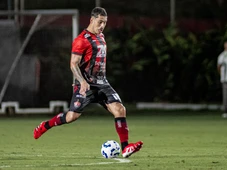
x: 72, y: 116
x: 123, y: 109
x: 120, y: 111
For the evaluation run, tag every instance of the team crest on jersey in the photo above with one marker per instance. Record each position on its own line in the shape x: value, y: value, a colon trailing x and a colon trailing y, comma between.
x: 77, y: 104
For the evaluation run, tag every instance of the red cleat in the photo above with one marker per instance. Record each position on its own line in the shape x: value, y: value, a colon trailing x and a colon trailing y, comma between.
x: 132, y: 148
x: 39, y: 130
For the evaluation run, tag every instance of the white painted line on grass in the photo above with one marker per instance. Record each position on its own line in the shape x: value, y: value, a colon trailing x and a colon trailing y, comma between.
x: 5, y: 166
x: 40, y: 155
x: 116, y: 160
x: 22, y: 155
x: 119, y: 160
x: 125, y: 160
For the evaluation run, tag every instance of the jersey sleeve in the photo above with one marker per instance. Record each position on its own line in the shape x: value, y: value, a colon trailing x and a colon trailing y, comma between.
x: 78, y: 46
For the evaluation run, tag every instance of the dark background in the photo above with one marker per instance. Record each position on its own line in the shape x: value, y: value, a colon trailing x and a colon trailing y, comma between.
x: 149, y: 58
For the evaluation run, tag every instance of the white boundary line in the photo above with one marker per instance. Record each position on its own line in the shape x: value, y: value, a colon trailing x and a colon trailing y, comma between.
x: 116, y: 161
x: 40, y: 155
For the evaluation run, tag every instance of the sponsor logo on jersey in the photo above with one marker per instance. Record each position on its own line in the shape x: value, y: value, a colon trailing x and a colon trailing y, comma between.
x: 101, y: 51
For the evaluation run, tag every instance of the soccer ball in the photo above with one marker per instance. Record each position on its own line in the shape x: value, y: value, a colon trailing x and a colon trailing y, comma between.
x: 110, y: 149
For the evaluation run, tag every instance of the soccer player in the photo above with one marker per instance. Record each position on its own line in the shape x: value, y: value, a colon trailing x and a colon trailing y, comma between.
x: 88, y: 64
x: 222, y: 70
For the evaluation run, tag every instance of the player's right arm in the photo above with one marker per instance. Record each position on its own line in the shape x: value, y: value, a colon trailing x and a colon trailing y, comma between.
x: 219, y: 69
x: 74, y: 65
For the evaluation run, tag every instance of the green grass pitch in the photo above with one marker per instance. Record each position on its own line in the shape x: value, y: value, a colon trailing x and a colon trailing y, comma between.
x: 171, y: 142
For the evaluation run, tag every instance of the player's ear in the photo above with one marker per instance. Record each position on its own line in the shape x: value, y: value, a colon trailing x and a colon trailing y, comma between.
x: 92, y: 18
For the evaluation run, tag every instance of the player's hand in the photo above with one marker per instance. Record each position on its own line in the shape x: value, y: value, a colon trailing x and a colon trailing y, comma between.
x: 84, y: 86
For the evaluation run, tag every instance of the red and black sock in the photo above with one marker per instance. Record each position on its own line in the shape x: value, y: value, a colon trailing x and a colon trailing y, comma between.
x: 56, y: 121
x: 122, y: 130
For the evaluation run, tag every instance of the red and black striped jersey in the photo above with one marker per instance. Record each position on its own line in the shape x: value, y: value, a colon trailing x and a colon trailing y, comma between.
x: 92, y: 48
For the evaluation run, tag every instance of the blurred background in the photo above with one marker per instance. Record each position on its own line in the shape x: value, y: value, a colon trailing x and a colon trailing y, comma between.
x: 158, y: 51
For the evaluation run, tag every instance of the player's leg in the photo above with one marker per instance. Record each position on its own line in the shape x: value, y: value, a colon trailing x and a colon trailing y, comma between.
x: 113, y: 104
x: 60, y: 119
x: 224, y: 96
x: 77, y: 104
x: 119, y: 112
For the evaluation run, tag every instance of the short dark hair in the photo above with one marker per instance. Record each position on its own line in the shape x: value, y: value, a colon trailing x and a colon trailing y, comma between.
x: 98, y: 11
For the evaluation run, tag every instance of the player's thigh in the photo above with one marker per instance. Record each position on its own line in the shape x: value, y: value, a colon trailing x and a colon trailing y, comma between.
x: 108, y: 95
x: 110, y: 100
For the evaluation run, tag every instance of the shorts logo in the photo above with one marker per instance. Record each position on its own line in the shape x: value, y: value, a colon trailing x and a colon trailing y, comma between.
x: 77, y: 104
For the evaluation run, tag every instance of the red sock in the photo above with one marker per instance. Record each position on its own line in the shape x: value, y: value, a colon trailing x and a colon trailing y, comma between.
x: 56, y: 121
x: 122, y: 130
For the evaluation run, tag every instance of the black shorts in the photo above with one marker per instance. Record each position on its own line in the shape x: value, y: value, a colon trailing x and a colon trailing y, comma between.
x: 102, y: 94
